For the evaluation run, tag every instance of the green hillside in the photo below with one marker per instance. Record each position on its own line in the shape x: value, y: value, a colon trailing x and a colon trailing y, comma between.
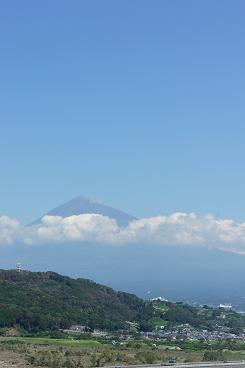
x: 172, y: 315
x: 48, y: 301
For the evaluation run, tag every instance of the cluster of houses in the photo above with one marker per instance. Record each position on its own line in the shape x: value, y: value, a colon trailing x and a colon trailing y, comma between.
x: 77, y: 330
x: 184, y: 333
x: 191, y: 334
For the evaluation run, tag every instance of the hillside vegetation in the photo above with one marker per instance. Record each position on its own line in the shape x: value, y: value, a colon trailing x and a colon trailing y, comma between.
x: 47, y: 301
x: 173, y: 315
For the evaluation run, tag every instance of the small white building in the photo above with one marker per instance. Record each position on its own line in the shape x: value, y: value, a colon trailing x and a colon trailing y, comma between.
x: 225, y: 306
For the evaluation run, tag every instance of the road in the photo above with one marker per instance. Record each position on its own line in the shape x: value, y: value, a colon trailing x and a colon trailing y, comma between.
x: 237, y: 364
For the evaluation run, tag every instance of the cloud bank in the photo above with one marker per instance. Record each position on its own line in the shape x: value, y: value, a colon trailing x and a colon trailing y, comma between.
x: 178, y: 229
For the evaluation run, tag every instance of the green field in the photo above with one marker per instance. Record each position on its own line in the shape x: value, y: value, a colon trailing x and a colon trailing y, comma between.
x: 48, y: 341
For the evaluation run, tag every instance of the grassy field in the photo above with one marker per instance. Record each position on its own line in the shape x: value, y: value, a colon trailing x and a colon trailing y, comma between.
x: 48, y: 341
x: 71, y: 353
x: 234, y: 355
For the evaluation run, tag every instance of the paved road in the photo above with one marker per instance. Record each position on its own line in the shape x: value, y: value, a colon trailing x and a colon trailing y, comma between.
x: 236, y: 364
x: 210, y: 365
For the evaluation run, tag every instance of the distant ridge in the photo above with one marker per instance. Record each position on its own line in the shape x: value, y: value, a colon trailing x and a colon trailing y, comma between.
x: 81, y: 205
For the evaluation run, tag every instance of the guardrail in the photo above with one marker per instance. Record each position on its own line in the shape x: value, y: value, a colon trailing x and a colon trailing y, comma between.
x: 184, y: 365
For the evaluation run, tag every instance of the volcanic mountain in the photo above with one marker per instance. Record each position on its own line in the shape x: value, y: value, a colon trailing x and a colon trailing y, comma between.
x: 80, y: 205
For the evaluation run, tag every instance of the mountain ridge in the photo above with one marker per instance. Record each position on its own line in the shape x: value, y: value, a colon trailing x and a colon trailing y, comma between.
x: 81, y: 205
x: 47, y: 301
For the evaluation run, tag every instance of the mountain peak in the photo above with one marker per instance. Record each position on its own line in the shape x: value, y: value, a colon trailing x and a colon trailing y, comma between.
x: 81, y: 198
x: 81, y: 205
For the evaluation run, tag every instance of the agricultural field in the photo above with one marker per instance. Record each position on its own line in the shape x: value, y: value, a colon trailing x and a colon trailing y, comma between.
x: 44, y: 352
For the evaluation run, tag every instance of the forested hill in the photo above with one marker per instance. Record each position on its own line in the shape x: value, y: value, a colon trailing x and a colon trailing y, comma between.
x: 48, y: 301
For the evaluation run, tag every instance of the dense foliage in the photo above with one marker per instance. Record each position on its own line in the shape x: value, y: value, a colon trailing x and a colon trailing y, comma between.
x: 48, y: 301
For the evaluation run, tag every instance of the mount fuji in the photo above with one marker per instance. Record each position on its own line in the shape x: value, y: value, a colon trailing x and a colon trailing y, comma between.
x: 81, y: 205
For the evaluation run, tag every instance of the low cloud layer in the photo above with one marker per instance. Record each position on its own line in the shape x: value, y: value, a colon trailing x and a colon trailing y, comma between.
x: 178, y: 229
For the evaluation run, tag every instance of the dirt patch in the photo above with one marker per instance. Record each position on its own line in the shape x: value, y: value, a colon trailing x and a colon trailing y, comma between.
x: 10, y: 359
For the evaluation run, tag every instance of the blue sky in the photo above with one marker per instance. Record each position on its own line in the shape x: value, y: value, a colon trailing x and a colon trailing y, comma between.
x: 137, y: 103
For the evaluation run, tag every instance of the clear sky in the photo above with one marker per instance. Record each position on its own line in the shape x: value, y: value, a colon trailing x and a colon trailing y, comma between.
x: 138, y: 103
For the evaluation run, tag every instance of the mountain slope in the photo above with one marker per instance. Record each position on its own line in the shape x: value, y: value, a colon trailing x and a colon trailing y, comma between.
x: 80, y: 205
x: 48, y: 301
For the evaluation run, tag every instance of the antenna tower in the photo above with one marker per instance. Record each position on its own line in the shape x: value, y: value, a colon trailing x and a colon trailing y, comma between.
x: 18, y: 267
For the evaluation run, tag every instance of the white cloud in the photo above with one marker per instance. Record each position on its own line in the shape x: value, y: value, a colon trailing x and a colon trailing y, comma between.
x: 9, y: 229
x: 179, y: 229
x: 86, y: 227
